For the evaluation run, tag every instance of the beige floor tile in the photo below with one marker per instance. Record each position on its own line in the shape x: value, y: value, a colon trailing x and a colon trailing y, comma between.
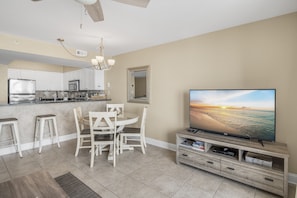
x: 188, y: 191
x: 181, y: 173
x: 166, y: 185
x: 232, y: 189
x: 205, y: 181
x: 264, y: 194
x: 4, y: 176
x: 292, y: 191
x: 146, y: 174
x: 128, y: 187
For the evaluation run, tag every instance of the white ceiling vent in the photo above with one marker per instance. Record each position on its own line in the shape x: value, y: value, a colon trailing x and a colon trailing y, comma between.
x: 81, y: 53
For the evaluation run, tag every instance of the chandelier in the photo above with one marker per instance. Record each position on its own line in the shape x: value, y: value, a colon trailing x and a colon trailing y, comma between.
x: 100, y: 63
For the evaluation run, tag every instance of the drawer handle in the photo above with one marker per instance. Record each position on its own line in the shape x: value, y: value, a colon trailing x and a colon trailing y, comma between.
x: 210, y: 162
x: 230, y: 168
x: 268, y: 179
x: 184, y: 155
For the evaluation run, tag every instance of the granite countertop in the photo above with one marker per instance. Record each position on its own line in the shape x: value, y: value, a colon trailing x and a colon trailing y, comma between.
x: 56, y: 101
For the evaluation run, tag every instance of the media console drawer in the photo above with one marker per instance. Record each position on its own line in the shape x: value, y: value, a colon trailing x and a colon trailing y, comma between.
x: 200, y: 159
x: 258, y: 176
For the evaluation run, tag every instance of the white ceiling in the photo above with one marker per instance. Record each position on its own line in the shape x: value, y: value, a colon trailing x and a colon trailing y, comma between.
x: 127, y: 28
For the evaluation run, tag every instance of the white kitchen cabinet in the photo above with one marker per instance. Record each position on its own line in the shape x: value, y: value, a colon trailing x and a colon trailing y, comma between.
x: 89, y: 79
x: 99, y: 80
x: 72, y: 75
x: 44, y: 80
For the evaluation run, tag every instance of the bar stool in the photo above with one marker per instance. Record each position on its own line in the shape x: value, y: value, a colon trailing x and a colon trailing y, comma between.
x: 39, y: 127
x: 13, y: 123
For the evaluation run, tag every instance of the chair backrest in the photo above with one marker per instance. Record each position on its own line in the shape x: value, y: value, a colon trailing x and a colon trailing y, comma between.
x: 78, y: 119
x: 143, y: 120
x: 102, y: 123
x: 119, y: 108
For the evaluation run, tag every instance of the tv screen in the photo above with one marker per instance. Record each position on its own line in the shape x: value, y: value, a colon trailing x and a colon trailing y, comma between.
x: 236, y: 112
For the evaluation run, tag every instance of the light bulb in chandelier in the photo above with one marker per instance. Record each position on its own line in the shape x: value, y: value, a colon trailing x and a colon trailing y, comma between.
x: 111, y: 62
x: 100, y: 59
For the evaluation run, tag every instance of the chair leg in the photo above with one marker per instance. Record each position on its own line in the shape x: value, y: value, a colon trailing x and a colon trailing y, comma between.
x: 144, y: 140
x: 100, y: 150
x: 50, y: 126
x: 118, y: 142
x: 142, y: 145
x: 36, y: 133
x: 56, y: 131
x: 17, y: 138
x: 114, y: 154
x: 41, y: 130
x: 78, y: 144
x: 92, y: 156
x: 121, y: 143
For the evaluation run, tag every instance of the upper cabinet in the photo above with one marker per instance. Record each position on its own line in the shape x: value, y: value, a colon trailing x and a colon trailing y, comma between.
x: 44, y: 80
x: 89, y: 79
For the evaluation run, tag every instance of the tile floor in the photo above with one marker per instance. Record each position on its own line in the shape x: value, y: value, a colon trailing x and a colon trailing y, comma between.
x: 154, y: 174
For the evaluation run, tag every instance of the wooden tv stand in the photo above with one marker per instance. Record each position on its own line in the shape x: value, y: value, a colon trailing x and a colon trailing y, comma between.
x: 238, y: 167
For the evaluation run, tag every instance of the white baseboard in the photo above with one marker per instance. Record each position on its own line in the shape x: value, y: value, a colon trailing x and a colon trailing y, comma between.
x: 292, y: 178
x: 161, y: 144
x: 30, y: 145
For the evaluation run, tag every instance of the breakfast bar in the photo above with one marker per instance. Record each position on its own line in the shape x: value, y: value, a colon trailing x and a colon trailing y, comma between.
x: 26, y: 114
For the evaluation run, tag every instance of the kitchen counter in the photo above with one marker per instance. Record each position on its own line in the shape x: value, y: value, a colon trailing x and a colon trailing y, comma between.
x: 26, y: 115
x: 69, y: 100
x: 51, y: 101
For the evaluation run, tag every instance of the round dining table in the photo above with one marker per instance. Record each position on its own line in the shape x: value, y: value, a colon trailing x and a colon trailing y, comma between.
x: 124, y: 119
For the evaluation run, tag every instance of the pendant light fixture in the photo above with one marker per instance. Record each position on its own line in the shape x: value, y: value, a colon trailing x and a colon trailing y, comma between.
x: 100, y: 62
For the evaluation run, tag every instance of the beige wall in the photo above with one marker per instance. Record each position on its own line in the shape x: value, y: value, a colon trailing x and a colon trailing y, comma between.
x: 257, y: 55
x: 29, y: 46
x: 3, y: 84
x: 36, y: 66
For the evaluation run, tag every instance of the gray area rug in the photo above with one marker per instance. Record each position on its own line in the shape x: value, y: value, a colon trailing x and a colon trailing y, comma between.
x: 74, y: 187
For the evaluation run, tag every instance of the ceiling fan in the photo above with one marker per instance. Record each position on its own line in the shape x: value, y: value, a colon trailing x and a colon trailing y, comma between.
x: 94, y: 9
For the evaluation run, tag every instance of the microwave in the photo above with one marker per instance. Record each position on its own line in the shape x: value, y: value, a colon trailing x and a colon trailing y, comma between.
x: 73, y: 85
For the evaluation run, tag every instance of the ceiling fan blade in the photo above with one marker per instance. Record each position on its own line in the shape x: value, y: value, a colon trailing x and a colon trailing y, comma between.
x: 95, y: 11
x: 139, y: 3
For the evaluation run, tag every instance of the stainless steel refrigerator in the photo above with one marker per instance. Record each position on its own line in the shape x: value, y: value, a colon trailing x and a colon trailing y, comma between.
x: 21, y: 91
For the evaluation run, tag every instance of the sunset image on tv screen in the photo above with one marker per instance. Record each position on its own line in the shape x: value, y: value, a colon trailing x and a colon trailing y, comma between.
x: 247, y: 113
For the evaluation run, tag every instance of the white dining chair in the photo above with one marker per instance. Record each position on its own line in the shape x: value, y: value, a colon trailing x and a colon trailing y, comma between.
x: 82, y: 131
x: 119, y: 108
x: 103, y: 132
x: 133, y: 136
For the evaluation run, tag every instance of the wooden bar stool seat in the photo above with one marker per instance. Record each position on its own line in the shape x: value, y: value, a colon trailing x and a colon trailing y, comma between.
x: 13, y: 123
x: 40, y: 125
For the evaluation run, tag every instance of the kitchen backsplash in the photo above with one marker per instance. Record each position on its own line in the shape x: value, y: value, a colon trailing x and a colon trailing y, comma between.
x: 65, y: 95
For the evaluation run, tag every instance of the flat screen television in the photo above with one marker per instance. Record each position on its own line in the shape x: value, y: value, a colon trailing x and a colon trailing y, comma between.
x: 245, y: 113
